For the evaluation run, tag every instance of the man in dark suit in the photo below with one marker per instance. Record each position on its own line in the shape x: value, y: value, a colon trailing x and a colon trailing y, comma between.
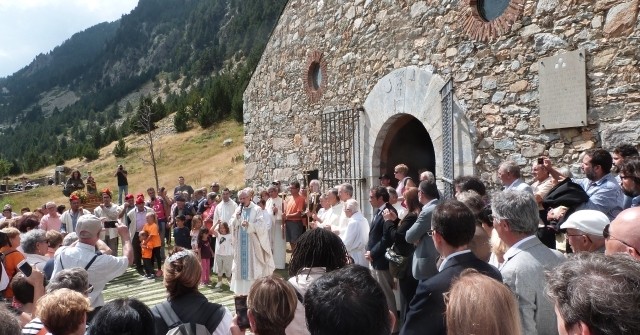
x: 377, y: 245
x: 452, y: 228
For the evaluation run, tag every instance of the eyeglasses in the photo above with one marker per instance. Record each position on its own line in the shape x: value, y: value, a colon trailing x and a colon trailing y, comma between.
x: 567, y: 235
x: 608, y: 236
x: 89, y: 289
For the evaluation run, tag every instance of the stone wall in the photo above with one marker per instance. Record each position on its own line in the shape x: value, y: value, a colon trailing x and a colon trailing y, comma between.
x: 496, y: 82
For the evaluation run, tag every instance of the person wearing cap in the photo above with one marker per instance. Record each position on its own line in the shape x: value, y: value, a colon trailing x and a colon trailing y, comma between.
x: 100, y: 267
x: 584, y: 230
x: 70, y: 217
x: 183, y: 207
x: 385, y: 180
x: 108, y: 212
x: 137, y: 218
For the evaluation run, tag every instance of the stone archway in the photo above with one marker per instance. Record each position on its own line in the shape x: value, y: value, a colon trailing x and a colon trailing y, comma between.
x: 411, y: 91
x: 406, y: 142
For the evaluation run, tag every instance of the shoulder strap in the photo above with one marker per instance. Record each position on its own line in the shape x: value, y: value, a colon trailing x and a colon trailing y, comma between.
x: 90, y: 262
x: 167, y: 314
x: 60, y: 258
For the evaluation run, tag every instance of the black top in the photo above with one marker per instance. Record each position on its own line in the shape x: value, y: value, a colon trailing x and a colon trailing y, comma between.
x: 397, y: 233
x: 428, y: 306
x: 192, y: 307
x: 378, y: 243
x: 122, y: 178
x: 182, y: 237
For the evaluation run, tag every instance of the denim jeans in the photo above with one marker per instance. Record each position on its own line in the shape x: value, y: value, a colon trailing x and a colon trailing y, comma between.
x: 162, y: 223
x: 122, y: 192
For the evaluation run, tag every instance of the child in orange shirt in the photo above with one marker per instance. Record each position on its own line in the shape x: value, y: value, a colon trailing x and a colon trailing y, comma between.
x: 153, y: 241
x: 147, y: 253
x: 9, y: 242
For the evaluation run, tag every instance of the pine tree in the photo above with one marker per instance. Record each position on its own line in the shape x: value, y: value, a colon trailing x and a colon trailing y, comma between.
x: 120, y: 150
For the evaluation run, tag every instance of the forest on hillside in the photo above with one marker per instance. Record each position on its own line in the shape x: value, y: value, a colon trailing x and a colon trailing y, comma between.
x: 163, y: 41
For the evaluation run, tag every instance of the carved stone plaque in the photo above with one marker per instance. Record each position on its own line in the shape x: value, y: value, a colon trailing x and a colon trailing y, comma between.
x: 563, y: 90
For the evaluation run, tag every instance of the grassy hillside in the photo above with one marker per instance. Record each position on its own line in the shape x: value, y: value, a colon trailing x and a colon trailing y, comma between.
x: 197, y: 154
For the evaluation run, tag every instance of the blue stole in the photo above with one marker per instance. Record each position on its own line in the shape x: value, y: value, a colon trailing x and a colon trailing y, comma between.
x: 244, y: 246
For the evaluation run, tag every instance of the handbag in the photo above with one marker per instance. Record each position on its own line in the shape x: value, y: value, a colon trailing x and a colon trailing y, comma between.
x: 394, y: 257
x: 397, y: 262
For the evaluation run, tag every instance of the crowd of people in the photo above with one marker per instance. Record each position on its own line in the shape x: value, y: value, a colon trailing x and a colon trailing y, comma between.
x: 557, y: 256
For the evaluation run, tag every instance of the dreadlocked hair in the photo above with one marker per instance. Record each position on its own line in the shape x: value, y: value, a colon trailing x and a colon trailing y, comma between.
x: 318, y: 248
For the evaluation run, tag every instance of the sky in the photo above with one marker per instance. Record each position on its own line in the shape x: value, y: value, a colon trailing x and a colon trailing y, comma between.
x: 31, y: 27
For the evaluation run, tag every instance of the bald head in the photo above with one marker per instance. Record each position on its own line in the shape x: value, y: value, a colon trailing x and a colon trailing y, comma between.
x: 624, y: 236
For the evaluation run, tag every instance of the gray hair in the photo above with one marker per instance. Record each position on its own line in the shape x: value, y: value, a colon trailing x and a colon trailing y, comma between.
x: 29, y: 240
x: 352, y: 205
x: 69, y: 239
x: 517, y: 207
x: 511, y: 168
x: 273, y: 188
x: 245, y: 192
x: 76, y: 279
x: 601, y: 291
x: 472, y: 199
x: 428, y: 176
x: 392, y: 192
x: 346, y: 187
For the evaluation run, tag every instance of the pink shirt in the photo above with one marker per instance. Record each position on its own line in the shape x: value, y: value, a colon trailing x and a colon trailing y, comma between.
x: 49, y: 222
x: 158, y: 207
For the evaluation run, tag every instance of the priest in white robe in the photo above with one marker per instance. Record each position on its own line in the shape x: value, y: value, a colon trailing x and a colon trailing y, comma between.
x: 278, y: 242
x: 252, y: 250
x: 356, y: 235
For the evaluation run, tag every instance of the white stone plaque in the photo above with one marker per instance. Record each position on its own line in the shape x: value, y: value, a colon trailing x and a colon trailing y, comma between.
x: 563, y: 90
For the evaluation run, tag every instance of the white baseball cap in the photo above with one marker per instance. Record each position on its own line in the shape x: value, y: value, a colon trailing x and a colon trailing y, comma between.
x: 587, y: 221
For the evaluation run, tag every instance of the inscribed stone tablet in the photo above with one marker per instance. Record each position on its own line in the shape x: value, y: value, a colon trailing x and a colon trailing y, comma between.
x: 563, y: 90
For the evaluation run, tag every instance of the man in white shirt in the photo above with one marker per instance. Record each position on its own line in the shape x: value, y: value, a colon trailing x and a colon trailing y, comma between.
x: 101, y: 268
x: 278, y: 244
x: 70, y: 217
x: 137, y: 218
x: 108, y: 212
x: 225, y: 209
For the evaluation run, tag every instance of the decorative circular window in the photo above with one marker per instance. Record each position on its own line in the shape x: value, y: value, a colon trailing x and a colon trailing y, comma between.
x: 315, y: 76
x: 485, y: 20
x: 492, y: 9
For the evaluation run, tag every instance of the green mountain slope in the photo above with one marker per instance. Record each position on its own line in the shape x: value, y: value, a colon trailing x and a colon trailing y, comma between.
x: 70, y: 100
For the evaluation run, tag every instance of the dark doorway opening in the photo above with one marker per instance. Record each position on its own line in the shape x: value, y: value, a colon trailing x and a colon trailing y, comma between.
x: 407, y: 142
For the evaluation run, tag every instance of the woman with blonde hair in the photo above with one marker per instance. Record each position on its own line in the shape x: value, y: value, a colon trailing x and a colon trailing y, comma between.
x: 64, y: 312
x: 401, y: 173
x: 182, y: 271
x: 271, y: 305
x: 480, y: 305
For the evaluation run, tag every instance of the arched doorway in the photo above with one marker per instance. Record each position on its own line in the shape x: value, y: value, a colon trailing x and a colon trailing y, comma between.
x: 406, y: 141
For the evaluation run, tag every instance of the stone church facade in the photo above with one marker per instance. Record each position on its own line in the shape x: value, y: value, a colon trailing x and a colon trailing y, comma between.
x: 348, y: 89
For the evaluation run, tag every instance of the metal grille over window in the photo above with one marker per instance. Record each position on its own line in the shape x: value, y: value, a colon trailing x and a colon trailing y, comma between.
x: 447, y: 138
x: 341, y: 154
